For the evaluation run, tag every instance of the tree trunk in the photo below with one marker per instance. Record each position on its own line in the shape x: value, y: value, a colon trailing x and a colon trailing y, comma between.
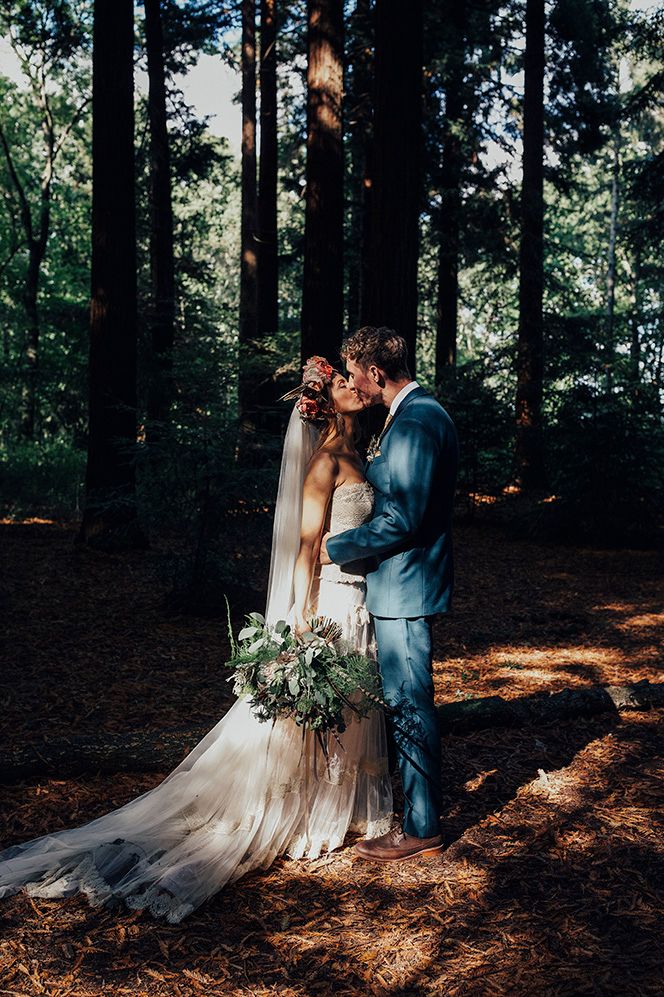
x: 390, y: 295
x: 359, y: 128
x: 36, y: 234
x: 162, y: 319
x: 37, y: 241
x: 323, y: 280
x: 30, y: 296
x: 611, y: 265
x: 635, y: 339
x: 268, y: 259
x: 137, y: 751
x: 248, y: 263
x: 110, y: 517
x: 530, y: 349
x: 450, y: 209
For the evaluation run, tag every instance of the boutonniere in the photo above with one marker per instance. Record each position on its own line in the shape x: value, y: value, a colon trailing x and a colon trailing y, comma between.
x: 373, y: 450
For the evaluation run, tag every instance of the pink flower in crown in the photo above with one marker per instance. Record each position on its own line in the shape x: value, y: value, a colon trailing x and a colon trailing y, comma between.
x: 316, y: 372
x: 308, y: 407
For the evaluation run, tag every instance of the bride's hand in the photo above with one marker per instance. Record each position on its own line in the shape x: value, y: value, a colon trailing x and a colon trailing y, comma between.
x: 324, y: 557
x: 301, y: 627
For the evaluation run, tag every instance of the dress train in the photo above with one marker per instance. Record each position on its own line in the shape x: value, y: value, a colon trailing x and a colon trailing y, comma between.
x: 248, y: 792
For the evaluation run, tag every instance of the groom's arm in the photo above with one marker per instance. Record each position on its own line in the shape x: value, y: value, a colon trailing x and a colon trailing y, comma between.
x: 414, y: 454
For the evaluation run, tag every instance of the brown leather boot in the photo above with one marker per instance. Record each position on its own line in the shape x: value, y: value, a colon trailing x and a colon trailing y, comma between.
x: 397, y: 846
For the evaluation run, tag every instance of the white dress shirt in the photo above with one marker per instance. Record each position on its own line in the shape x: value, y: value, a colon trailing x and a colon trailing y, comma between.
x: 397, y: 400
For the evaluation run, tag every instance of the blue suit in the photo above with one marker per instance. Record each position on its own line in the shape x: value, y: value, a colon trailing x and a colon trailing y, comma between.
x: 410, y: 579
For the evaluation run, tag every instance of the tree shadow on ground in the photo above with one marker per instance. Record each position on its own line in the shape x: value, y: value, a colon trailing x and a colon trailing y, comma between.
x: 551, y: 882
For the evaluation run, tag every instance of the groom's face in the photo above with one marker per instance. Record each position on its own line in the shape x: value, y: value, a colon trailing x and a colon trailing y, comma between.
x: 365, y: 383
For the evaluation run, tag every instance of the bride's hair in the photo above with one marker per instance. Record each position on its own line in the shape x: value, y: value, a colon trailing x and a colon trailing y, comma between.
x: 314, y: 395
x: 331, y: 423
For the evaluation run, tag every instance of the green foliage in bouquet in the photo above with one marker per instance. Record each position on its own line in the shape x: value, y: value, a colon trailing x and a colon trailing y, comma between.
x: 305, y: 678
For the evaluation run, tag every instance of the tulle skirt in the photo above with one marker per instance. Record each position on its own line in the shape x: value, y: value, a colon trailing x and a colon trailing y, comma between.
x: 248, y: 792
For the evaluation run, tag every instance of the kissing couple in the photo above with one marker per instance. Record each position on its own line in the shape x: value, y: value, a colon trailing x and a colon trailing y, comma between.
x: 367, y: 544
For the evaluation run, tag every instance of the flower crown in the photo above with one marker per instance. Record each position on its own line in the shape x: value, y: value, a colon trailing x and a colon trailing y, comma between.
x: 313, y: 403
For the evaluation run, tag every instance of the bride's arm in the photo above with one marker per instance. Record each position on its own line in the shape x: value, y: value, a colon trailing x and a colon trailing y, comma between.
x: 318, y: 488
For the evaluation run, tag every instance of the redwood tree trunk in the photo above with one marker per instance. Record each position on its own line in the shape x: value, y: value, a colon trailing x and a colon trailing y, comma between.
x: 110, y: 508
x: 611, y: 263
x: 268, y: 271
x: 248, y: 263
x: 359, y: 127
x: 391, y: 252
x: 30, y: 295
x: 36, y: 238
x: 162, y: 319
x: 322, y: 294
x: 450, y: 209
x: 635, y: 340
x: 530, y: 350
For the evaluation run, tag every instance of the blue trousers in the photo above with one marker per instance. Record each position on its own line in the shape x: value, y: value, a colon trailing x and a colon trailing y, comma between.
x: 405, y: 662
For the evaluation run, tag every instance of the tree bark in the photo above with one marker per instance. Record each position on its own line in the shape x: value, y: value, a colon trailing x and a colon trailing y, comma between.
x: 36, y: 238
x: 248, y: 262
x: 360, y: 130
x: 137, y: 751
x: 268, y: 258
x: 530, y: 348
x: 32, y: 335
x: 611, y: 264
x: 162, y: 319
x: 450, y: 209
x: 390, y: 294
x: 110, y: 516
x: 323, y: 280
x: 635, y: 339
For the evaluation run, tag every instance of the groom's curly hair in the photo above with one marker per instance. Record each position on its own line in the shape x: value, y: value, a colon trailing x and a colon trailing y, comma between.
x: 378, y: 345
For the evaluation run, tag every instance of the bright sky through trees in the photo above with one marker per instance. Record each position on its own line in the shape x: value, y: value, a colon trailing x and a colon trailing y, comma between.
x: 211, y: 87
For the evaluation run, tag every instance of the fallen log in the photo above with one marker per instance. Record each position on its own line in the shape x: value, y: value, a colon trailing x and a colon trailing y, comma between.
x: 540, y: 708
x: 140, y: 751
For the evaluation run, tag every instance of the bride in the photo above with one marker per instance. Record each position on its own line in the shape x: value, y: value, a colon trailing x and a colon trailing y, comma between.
x: 246, y: 793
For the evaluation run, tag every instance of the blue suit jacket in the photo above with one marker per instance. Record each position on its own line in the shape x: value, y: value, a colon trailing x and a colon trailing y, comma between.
x: 410, y: 534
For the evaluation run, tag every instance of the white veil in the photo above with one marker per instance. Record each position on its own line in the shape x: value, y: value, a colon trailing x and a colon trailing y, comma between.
x: 299, y: 444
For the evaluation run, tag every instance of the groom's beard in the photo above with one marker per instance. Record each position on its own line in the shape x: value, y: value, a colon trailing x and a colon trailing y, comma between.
x: 369, y: 400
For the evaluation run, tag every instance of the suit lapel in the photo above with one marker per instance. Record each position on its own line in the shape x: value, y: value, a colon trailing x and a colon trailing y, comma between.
x: 417, y: 392
x: 410, y: 397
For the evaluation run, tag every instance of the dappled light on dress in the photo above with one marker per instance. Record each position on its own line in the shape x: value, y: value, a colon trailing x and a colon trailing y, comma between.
x: 243, y: 796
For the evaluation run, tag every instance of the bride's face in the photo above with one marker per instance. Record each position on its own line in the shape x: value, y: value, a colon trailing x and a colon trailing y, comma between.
x: 344, y: 399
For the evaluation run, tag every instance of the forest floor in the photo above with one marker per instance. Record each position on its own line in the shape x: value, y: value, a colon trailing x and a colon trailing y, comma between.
x: 552, y: 881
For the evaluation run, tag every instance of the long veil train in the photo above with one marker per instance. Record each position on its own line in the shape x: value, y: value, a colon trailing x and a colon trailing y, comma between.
x: 242, y: 796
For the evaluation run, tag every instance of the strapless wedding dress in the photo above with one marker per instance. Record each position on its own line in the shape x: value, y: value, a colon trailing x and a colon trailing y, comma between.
x: 248, y: 792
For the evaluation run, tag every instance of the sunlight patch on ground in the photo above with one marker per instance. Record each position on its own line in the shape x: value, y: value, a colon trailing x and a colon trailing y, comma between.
x: 633, y: 617
x: 615, y: 607
x: 477, y: 781
x: 28, y: 521
x: 529, y: 673
x: 642, y: 620
x: 555, y: 656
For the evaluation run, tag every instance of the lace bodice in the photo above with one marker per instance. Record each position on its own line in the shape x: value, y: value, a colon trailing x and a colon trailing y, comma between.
x: 351, y: 506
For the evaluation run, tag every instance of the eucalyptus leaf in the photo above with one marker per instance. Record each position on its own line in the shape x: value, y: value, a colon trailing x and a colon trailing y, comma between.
x: 311, y: 683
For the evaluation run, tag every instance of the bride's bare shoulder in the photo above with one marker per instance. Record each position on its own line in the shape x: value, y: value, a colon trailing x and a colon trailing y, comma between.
x: 323, y: 469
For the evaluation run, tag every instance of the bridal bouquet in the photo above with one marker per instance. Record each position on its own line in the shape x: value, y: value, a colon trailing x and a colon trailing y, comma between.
x: 302, y: 677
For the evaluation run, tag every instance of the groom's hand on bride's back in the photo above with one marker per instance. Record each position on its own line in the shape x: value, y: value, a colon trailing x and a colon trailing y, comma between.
x: 323, y: 556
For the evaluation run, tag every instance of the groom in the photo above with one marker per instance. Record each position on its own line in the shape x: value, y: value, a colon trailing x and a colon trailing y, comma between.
x: 412, y: 467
